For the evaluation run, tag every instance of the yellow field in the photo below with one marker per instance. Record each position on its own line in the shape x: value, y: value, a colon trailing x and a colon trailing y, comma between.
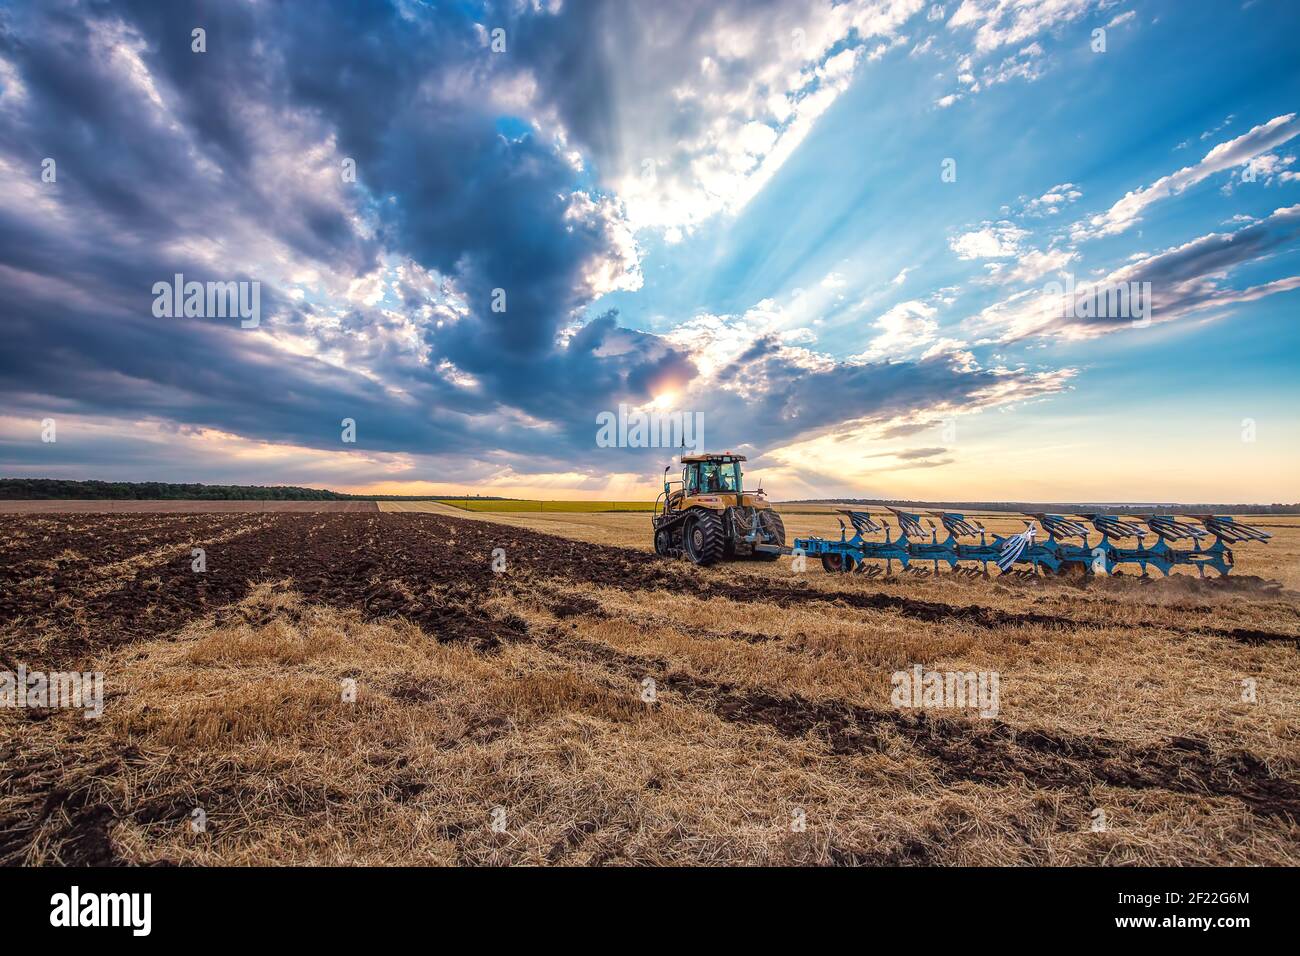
x: 523, y: 506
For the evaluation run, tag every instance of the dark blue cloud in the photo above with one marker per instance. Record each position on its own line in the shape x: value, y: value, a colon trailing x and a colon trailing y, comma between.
x: 171, y: 161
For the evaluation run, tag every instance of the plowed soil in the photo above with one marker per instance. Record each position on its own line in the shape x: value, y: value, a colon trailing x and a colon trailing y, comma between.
x: 501, y: 668
x: 75, y: 506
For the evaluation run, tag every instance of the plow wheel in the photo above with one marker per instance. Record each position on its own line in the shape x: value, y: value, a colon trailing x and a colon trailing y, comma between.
x: 838, y: 563
x: 704, y: 539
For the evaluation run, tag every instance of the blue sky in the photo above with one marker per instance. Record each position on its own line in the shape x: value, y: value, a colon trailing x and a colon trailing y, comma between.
x: 730, y: 209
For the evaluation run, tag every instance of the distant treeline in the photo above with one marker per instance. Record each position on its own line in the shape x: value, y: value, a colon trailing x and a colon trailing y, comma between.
x: 60, y: 488
x: 1031, y: 507
x: 31, y: 488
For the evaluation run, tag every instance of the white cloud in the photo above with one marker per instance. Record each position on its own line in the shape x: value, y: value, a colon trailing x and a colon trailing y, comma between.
x: 1001, y: 23
x: 1267, y: 169
x: 119, y: 44
x: 956, y: 351
x: 12, y: 91
x: 753, y: 82
x: 903, y: 328
x: 1026, y: 64
x: 456, y: 376
x: 1050, y: 202
x: 1033, y: 264
x: 998, y: 240
x: 880, y: 49
x: 1185, y: 279
x: 621, y: 269
x: 715, y: 341
x: 1226, y: 121
x: 1128, y: 211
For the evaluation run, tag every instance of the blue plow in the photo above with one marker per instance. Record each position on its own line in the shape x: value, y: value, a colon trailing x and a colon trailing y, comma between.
x: 921, y: 551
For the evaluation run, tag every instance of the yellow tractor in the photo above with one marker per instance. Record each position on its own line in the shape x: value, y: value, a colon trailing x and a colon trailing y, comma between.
x: 711, y: 518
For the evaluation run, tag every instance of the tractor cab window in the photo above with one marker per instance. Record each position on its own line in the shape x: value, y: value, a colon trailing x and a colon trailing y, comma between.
x: 710, y: 482
x: 711, y: 477
x: 729, y: 476
x: 699, y: 479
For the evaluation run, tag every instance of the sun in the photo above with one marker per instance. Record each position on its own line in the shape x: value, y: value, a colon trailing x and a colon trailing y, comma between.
x: 665, y: 399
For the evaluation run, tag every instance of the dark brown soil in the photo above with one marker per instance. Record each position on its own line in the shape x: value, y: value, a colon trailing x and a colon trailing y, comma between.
x: 170, y: 506
x: 373, y: 561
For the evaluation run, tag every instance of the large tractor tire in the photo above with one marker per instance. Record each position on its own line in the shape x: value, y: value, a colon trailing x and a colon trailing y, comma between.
x: 775, y: 529
x: 704, y: 538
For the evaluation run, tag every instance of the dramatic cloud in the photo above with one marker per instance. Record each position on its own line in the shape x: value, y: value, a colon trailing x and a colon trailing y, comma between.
x: 781, y: 395
x: 377, y: 295
x: 428, y: 219
x: 687, y: 109
x: 475, y: 227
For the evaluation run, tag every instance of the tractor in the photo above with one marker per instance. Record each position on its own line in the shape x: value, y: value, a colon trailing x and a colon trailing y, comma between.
x: 711, y: 518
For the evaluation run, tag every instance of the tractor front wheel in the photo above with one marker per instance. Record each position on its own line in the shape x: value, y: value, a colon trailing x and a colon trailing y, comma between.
x: 704, y: 538
x: 663, y: 542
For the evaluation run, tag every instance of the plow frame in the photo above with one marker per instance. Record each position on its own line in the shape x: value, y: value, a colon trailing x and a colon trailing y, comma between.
x: 917, y: 551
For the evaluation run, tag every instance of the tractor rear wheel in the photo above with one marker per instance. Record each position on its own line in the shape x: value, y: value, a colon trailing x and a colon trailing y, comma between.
x: 704, y: 538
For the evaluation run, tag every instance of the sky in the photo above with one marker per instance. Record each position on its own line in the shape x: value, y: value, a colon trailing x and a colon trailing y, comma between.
x: 868, y: 244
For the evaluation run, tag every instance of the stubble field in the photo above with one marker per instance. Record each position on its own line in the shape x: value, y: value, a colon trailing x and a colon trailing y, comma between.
x: 587, y: 702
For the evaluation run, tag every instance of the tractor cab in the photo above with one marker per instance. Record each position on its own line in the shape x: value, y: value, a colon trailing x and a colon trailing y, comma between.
x: 711, y: 474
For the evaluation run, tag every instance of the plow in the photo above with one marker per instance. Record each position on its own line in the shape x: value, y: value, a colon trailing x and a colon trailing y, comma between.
x: 707, y: 516
x: 1159, y: 542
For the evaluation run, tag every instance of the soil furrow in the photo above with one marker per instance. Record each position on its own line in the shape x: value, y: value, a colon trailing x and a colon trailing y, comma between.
x: 632, y: 570
x: 986, y: 751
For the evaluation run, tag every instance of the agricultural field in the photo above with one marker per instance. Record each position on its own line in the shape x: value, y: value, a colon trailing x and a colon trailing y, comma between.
x: 418, y: 685
x: 1279, y: 560
x: 174, y: 506
x: 563, y: 507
